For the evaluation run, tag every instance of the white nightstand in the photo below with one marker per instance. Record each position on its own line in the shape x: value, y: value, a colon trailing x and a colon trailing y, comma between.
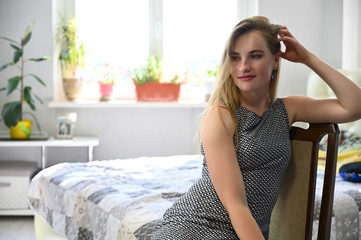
x: 21, y: 182
x: 89, y: 142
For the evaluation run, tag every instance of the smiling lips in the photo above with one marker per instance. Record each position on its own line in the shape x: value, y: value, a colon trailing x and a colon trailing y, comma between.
x: 246, y: 77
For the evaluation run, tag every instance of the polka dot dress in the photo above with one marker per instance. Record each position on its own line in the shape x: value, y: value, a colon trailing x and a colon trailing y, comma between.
x: 263, y: 154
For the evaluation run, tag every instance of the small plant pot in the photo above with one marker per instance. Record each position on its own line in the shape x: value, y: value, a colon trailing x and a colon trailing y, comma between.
x: 22, y: 130
x: 207, y: 86
x: 106, y: 91
x: 157, y: 92
x: 72, y: 88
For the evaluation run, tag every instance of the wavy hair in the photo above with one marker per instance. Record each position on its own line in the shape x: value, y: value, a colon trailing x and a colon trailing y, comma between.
x: 225, y: 92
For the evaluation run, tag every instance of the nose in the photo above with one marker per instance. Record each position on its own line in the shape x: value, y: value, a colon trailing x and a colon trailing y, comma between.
x: 244, y: 66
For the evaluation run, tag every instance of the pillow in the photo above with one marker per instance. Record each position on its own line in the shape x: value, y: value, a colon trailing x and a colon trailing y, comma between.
x: 351, y: 172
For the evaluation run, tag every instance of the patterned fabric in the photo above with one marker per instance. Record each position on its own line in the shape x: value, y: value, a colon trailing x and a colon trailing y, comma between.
x: 146, y: 188
x: 346, y: 214
x: 263, y: 154
x: 347, y: 142
x: 114, y: 199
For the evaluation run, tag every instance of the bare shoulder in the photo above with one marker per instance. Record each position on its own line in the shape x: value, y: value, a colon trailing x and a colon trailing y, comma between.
x: 293, y: 103
x: 219, y: 118
x: 219, y: 111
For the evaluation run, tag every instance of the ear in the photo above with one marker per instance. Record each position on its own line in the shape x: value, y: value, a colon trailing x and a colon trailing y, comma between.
x: 277, y: 61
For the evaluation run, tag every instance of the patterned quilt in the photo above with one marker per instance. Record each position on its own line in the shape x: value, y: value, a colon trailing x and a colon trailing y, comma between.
x: 125, y: 199
x: 113, y: 199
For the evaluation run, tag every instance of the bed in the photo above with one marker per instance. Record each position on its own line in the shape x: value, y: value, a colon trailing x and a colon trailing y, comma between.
x: 114, y: 199
x: 125, y: 198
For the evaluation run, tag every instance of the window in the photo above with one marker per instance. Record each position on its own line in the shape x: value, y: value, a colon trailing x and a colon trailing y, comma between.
x: 189, y: 36
x: 114, y: 32
x: 196, y: 31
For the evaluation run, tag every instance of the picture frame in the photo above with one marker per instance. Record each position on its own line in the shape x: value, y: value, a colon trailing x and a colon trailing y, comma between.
x: 65, y: 125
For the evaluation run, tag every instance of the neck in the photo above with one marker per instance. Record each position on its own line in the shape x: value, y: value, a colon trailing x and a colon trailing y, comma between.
x: 256, y: 103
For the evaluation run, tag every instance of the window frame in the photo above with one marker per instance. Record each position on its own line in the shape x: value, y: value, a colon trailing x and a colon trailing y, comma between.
x: 67, y: 9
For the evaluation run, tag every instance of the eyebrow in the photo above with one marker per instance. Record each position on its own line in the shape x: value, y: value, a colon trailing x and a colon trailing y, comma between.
x: 251, y: 52
x: 256, y: 50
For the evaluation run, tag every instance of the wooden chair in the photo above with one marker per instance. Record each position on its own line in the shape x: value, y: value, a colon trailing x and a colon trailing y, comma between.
x: 292, y: 217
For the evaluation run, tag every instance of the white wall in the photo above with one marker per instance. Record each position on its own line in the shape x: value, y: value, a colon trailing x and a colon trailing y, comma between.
x: 317, y: 24
x: 133, y: 132
x: 15, y: 16
x: 351, y: 57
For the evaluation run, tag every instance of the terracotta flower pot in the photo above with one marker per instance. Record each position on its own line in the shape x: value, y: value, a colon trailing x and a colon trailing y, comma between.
x: 22, y: 130
x: 157, y: 92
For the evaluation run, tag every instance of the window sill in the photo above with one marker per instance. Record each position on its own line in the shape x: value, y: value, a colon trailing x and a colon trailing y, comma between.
x: 127, y: 104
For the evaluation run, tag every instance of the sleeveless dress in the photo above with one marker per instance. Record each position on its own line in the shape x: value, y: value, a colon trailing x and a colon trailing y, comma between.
x: 263, y: 153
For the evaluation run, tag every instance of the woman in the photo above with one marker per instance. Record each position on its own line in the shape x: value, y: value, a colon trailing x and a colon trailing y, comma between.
x: 245, y: 135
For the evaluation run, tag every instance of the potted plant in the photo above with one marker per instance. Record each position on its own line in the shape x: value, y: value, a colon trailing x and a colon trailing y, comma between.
x: 71, y: 57
x: 150, y: 84
x: 106, y: 82
x: 12, y: 112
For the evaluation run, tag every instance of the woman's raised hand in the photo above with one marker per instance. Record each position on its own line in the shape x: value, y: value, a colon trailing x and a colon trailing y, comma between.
x: 294, y: 51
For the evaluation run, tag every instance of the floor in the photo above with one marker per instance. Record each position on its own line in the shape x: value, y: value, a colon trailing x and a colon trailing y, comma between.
x: 17, y: 228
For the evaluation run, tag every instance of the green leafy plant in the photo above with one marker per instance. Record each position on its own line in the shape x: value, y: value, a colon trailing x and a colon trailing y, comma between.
x: 12, y: 112
x: 212, y: 72
x: 206, y: 71
x: 152, y: 72
x: 71, y: 53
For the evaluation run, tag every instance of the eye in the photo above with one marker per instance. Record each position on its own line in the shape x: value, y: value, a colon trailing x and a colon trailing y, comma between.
x: 256, y: 56
x: 235, y: 58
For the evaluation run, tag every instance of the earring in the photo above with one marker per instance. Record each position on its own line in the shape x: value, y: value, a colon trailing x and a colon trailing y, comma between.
x: 273, y: 77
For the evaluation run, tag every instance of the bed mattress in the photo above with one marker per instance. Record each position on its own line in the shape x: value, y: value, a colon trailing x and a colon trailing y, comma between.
x: 125, y: 199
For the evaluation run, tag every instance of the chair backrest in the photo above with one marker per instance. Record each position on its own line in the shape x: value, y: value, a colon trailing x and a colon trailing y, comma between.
x: 292, y: 217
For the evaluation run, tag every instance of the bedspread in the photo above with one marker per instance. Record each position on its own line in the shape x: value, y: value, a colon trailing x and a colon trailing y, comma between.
x: 115, y: 199
x: 125, y: 199
x: 346, y: 212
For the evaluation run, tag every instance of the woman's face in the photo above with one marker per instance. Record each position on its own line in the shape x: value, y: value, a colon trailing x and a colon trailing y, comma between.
x: 252, y: 63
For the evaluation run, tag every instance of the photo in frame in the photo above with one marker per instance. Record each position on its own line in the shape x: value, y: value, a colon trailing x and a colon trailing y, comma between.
x: 65, y: 125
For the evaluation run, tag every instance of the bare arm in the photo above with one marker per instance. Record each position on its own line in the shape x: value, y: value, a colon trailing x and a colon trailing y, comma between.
x: 345, y: 108
x: 225, y: 172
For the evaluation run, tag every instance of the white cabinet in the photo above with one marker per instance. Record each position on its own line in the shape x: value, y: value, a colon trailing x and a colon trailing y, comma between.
x: 11, y: 178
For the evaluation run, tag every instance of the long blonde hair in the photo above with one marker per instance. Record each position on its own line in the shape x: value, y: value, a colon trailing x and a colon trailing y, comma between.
x: 225, y: 92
